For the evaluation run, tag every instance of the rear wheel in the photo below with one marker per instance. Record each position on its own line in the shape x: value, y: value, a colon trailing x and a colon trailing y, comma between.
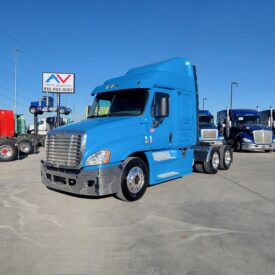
x: 25, y: 146
x: 8, y: 150
x: 134, y: 180
x: 225, y: 158
x: 63, y: 110
x: 211, y: 166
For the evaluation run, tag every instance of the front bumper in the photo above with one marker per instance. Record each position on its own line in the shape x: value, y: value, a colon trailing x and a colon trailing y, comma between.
x: 99, y: 182
x: 257, y: 147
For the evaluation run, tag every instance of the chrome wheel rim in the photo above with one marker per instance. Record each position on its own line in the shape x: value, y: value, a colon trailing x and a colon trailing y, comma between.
x: 24, y: 147
x: 227, y: 157
x: 215, y: 160
x: 135, y: 179
x: 5, y: 151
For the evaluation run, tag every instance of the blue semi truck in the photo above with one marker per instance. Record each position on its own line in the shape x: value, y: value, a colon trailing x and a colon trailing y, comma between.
x: 243, y: 129
x: 208, y: 129
x: 141, y: 130
x: 46, y: 104
x: 209, y: 134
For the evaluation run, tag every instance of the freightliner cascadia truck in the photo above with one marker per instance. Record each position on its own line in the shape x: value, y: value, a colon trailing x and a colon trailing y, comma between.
x: 209, y: 134
x: 142, y: 130
x: 243, y: 129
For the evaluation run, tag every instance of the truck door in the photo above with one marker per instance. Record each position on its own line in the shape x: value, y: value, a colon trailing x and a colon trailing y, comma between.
x: 171, y: 136
x: 160, y: 128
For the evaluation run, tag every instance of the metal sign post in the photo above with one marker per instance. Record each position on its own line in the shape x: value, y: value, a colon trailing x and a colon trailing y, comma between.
x: 35, y: 116
x: 58, y: 110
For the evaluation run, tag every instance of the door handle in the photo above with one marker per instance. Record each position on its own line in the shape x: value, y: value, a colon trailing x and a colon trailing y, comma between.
x: 170, y: 137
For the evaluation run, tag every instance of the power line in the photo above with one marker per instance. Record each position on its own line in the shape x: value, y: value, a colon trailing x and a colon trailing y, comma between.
x: 11, y: 99
x: 27, y: 52
x: 10, y: 76
x: 9, y: 90
x: 20, y: 66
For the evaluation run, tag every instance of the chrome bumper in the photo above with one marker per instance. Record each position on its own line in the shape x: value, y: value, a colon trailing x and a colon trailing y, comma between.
x: 90, y: 183
x: 256, y: 147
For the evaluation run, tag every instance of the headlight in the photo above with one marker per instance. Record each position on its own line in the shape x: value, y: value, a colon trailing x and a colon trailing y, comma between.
x: 274, y: 140
x: 98, y: 158
x: 246, y: 140
x: 221, y: 137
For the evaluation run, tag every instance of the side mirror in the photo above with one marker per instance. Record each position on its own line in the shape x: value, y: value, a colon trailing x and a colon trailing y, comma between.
x: 161, y: 106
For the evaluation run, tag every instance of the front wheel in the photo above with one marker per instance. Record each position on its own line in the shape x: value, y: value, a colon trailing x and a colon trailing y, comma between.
x: 134, y: 179
x: 238, y: 146
x: 211, y: 166
x: 33, y: 110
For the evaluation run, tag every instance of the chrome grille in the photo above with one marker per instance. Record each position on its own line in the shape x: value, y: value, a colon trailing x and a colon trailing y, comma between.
x: 262, y: 137
x: 208, y: 134
x: 63, y: 150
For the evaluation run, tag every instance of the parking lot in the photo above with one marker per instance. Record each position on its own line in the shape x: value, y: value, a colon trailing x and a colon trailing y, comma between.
x: 199, y: 224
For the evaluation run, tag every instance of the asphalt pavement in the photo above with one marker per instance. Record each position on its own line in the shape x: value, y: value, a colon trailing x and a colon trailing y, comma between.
x: 199, y: 224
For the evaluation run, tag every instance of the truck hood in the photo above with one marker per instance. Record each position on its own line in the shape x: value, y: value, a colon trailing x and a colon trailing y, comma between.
x: 117, y: 134
x: 253, y: 127
x: 207, y: 126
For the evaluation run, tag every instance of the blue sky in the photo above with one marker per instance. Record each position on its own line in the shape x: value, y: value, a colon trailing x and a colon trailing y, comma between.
x: 97, y: 40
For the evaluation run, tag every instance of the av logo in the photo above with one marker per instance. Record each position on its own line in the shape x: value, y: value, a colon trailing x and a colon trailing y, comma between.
x: 57, y: 78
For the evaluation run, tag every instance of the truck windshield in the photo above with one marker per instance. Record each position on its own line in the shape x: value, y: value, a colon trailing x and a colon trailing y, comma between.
x: 206, y: 120
x: 129, y: 102
x: 248, y: 120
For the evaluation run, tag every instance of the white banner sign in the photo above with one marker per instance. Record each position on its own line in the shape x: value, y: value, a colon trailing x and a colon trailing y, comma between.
x: 58, y: 83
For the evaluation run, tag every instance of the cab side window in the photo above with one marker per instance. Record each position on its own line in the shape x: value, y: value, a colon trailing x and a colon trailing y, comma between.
x: 161, y: 105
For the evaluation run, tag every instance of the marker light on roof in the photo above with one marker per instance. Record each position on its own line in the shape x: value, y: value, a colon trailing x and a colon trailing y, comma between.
x: 187, y: 63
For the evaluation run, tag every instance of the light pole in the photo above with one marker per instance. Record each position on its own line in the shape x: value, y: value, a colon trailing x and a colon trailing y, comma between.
x: 15, y: 77
x: 232, y: 84
x: 203, y: 102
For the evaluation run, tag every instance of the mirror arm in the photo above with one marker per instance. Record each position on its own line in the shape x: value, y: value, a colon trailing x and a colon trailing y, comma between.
x: 156, y: 123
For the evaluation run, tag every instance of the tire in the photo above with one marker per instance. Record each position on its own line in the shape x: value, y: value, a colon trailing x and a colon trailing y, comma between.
x: 63, y: 110
x: 238, y: 146
x: 68, y: 111
x: 198, y: 167
x: 211, y: 166
x: 25, y: 146
x: 226, y: 158
x: 8, y: 150
x: 134, y: 180
x: 42, y: 141
x: 33, y: 110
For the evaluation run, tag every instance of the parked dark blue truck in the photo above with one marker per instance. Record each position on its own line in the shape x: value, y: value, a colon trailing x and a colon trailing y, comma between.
x: 243, y: 129
x: 142, y: 130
